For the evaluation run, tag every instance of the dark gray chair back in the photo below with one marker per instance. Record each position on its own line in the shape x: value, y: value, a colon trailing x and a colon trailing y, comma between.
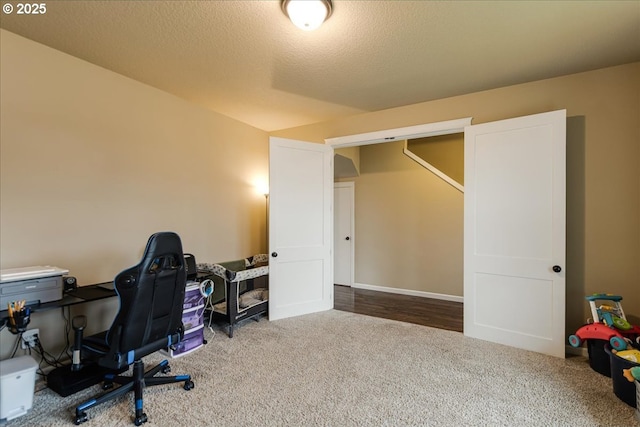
x: 151, y: 298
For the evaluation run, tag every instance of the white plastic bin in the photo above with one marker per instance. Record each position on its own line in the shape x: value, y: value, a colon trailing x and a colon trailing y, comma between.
x: 193, y: 317
x: 192, y: 296
x: 17, y: 385
x: 193, y: 340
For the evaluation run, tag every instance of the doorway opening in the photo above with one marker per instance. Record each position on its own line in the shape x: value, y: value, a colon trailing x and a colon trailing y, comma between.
x: 397, y: 250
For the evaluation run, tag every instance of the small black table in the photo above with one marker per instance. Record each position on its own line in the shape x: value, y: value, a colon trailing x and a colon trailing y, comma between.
x: 79, y: 295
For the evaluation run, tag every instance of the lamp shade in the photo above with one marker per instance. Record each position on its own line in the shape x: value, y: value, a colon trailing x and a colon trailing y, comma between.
x: 307, y: 14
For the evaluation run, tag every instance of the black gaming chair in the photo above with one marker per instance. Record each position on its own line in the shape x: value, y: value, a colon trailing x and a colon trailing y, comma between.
x: 150, y: 318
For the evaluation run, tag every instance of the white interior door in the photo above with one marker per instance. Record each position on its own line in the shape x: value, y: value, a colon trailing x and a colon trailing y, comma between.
x: 514, y: 232
x: 300, y: 227
x: 343, y: 238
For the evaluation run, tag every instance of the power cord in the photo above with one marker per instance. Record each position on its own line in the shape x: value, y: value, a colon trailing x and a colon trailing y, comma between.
x: 45, y: 357
x: 15, y: 348
x: 67, y: 330
x: 209, y: 305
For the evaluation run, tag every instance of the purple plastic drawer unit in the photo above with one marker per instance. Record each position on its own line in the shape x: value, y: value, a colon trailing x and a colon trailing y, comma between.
x: 192, y: 317
x: 192, y: 296
x: 192, y: 341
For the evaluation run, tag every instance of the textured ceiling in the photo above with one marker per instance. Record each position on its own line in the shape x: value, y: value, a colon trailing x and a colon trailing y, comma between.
x: 244, y: 59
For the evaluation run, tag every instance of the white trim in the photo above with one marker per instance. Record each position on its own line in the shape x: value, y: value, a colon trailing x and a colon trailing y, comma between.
x: 422, y: 162
x: 411, y: 292
x: 410, y: 132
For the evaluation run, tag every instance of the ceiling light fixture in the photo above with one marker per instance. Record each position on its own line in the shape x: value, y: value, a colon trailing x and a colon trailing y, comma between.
x: 307, y: 14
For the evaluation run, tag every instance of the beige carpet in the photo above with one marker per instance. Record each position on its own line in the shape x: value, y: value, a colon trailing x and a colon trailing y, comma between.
x: 343, y: 369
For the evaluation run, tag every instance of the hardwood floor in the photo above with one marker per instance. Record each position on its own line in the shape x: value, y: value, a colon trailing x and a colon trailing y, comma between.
x: 422, y: 311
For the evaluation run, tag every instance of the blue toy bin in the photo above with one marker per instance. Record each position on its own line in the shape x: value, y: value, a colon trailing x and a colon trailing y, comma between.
x: 623, y: 389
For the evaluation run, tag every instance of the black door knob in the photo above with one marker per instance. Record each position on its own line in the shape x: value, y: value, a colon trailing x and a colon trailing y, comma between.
x: 557, y: 268
x: 347, y: 238
x: 274, y: 254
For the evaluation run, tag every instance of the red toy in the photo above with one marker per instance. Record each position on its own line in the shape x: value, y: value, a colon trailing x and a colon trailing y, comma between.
x: 609, y: 324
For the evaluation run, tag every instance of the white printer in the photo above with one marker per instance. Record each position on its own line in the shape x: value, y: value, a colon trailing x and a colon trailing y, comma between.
x: 37, y: 284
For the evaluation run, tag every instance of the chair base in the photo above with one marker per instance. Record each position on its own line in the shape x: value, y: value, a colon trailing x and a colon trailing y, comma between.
x: 136, y: 383
x: 65, y: 381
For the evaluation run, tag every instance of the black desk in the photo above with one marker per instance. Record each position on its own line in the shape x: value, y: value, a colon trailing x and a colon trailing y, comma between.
x: 77, y: 296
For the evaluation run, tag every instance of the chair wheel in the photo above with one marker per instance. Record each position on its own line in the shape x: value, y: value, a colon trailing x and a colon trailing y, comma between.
x: 80, y: 418
x: 188, y: 385
x: 166, y: 369
x: 107, y: 385
x: 140, y: 420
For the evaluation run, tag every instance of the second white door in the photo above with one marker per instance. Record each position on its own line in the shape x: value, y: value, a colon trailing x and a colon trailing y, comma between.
x: 343, y: 235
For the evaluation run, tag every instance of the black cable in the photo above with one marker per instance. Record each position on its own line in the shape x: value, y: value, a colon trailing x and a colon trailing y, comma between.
x: 40, y: 371
x: 67, y: 329
x: 15, y: 349
x: 46, y: 356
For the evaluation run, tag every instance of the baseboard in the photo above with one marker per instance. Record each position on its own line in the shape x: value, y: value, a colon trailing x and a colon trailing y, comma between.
x: 580, y: 351
x: 411, y: 292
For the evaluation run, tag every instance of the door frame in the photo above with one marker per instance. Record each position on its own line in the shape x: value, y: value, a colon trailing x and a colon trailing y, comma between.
x: 410, y: 132
x: 350, y: 185
x: 391, y: 135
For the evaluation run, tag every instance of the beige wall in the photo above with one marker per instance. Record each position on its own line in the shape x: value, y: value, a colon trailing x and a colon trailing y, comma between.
x: 92, y: 163
x: 352, y: 153
x: 603, y: 170
x: 444, y: 152
x: 416, y: 214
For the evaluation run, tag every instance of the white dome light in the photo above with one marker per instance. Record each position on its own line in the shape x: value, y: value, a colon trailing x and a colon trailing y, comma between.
x: 307, y: 14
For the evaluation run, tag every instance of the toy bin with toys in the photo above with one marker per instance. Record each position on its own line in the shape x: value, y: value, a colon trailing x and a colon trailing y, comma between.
x: 608, y: 325
x: 633, y: 376
x: 621, y: 361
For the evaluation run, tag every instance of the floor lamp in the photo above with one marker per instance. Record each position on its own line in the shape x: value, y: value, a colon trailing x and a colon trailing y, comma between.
x: 266, y: 200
